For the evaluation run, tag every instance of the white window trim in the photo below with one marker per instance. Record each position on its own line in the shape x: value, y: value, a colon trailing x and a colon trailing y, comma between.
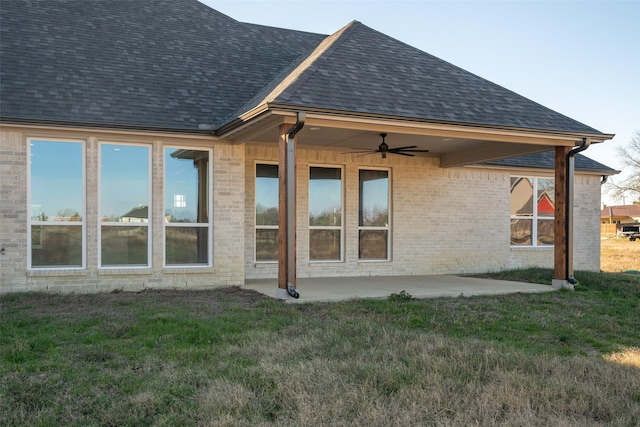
x: 209, y: 224
x: 147, y: 224
x: 389, y: 215
x: 83, y: 223
x: 255, y: 225
x: 341, y: 227
x: 534, y: 218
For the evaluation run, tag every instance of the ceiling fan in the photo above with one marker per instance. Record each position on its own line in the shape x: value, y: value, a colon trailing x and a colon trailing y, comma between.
x: 383, y: 149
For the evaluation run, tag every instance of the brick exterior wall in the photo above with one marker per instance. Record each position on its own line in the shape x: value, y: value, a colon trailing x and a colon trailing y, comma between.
x: 443, y: 221
x: 228, y: 220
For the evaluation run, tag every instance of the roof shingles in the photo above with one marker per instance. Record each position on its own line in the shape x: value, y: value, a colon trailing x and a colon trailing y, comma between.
x: 369, y: 72
x: 166, y: 64
x: 178, y: 64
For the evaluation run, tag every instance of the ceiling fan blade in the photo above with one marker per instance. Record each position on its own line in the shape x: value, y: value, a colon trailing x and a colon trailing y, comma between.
x: 402, y: 153
x: 403, y: 148
x: 416, y: 151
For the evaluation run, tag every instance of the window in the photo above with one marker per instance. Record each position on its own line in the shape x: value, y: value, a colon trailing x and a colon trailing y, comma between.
x: 373, y: 214
x: 532, y: 217
x: 124, y: 205
x: 56, y: 197
x: 325, y: 214
x: 266, y: 212
x: 187, y: 206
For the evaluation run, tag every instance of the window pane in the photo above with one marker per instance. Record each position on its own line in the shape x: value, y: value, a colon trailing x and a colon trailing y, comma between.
x: 56, y: 246
x: 374, y: 198
x: 124, y: 183
x: 324, y: 245
x: 266, y: 194
x: 373, y: 244
x: 521, y: 230
x: 187, y: 245
x: 124, y: 245
x: 56, y: 166
x: 521, y: 196
x: 546, y: 197
x: 545, y: 232
x: 266, y: 245
x: 186, y: 194
x: 325, y: 196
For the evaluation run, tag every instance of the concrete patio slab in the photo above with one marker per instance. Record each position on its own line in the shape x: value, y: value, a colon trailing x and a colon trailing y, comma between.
x: 345, y: 288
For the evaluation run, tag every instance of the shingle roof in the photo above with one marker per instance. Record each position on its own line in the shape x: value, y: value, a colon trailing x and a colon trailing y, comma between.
x: 180, y: 65
x: 546, y: 160
x: 365, y: 71
x: 620, y: 211
x: 167, y: 64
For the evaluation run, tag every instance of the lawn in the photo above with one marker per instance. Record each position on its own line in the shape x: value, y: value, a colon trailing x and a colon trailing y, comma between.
x: 234, y: 357
x: 617, y: 254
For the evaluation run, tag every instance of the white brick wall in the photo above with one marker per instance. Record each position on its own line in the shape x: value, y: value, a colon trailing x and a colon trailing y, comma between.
x: 444, y: 221
x: 228, y: 220
x: 586, y: 252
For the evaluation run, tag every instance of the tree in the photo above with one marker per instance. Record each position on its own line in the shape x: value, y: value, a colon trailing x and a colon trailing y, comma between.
x: 630, y: 158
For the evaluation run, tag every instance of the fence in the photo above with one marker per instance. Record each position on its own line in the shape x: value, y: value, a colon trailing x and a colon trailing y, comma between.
x: 608, y: 230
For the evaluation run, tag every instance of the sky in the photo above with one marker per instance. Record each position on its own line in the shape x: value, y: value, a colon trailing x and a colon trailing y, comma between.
x: 580, y: 58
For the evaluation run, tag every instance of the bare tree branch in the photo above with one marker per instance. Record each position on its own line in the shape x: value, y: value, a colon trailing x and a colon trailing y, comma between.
x: 630, y: 158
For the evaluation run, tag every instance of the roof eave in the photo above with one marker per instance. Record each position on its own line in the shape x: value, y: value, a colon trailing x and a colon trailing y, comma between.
x: 345, y: 117
x: 598, y: 172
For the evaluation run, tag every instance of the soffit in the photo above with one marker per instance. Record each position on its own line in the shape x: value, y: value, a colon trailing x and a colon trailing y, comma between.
x: 453, y: 144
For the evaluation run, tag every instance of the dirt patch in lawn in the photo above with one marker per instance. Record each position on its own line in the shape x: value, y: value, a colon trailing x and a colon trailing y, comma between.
x: 207, y: 302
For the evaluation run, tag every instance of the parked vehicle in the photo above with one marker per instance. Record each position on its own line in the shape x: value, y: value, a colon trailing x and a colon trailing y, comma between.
x: 630, y: 231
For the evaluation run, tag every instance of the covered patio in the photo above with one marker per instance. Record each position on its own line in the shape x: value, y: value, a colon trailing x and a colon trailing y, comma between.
x: 332, y: 289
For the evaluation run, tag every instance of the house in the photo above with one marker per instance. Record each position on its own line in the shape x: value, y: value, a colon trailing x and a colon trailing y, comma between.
x: 620, y: 214
x: 614, y: 218
x: 264, y: 152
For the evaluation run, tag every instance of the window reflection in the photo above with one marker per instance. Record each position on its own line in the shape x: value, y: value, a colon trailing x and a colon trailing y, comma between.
x: 325, y: 196
x: 56, y: 246
x: 124, y: 205
x: 324, y: 244
x: 266, y: 212
x: 521, y: 196
x: 57, y: 181
x: 124, y: 183
x: 186, y: 183
x: 373, y: 214
x: 266, y: 244
x: 186, y: 206
x: 532, y: 218
x: 187, y: 245
x: 124, y: 245
x: 325, y: 213
x: 56, y: 194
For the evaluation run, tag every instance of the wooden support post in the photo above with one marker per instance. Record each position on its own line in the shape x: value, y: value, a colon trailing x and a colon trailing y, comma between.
x: 286, y: 213
x: 560, y: 273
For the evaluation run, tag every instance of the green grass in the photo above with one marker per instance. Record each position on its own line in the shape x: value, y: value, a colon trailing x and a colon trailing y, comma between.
x: 233, y: 357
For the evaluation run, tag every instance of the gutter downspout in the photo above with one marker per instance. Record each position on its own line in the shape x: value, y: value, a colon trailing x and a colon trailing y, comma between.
x: 291, y: 204
x: 569, y: 203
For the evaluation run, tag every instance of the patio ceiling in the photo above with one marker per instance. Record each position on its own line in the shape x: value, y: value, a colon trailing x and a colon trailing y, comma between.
x: 453, y: 144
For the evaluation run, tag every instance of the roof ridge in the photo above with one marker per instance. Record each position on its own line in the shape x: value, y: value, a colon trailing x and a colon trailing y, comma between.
x: 292, y: 74
x: 301, y: 72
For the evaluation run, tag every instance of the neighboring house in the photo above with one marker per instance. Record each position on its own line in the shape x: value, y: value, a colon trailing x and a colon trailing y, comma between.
x: 174, y: 106
x: 137, y: 214
x: 620, y: 214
